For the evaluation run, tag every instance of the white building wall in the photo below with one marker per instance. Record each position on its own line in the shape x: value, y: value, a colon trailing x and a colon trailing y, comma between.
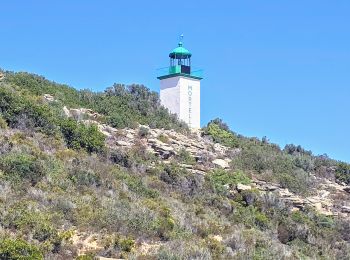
x: 181, y: 95
x: 170, y: 94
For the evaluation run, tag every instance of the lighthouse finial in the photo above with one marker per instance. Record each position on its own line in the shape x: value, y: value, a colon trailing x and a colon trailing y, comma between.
x: 181, y: 39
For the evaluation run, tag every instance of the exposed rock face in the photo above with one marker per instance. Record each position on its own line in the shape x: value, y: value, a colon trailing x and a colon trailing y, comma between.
x: 169, y: 145
x: 49, y: 98
x: 2, y: 76
x: 323, y: 201
x: 222, y: 163
x: 345, y: 209
x: 242, y: 187
x: 208, y: 155
x: 81, y: 114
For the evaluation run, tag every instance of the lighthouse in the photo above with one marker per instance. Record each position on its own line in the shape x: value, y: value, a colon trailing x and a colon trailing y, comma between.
x: 180, y: 86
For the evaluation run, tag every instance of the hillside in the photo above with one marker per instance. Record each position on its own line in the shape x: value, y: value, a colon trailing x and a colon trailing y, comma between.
x: 87, y: 175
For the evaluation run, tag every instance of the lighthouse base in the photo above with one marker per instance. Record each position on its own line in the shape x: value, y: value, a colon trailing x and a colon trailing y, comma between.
x: 181, y: 95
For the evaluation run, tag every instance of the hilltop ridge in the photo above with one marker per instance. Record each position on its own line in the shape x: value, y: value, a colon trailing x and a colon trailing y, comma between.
x: 113, y: 174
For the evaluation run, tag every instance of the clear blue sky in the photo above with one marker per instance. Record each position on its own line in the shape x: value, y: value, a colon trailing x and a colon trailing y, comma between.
x: 279, y: 69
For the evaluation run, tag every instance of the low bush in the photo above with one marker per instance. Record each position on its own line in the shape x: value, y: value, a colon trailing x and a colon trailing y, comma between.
x: 221, y: 180
x: 18, y: 167
x: 221, y: 135
x: 18, y: 249
x: 342, y: 172
x: 79, y: 136
x: 185, y: 157
x: 163, y: 138
x: 143, y: 132
x: 3, y: 123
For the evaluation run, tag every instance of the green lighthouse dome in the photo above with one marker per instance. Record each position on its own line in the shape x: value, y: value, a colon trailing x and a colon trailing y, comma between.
x: 180, y: 52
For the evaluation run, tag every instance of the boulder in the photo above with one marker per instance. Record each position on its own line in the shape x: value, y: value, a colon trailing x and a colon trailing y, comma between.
x: 221, y: 163
x: 242, y: 187
x: 107, y: 130
x: 218, y: 238
x: 123, y: 143
x: 347, y: 189
x: 49, y: 97
x: 271, y: 187
x: 297, y: 202
x: 81, y: 113
x: 218, y: 148
x: 345, y: 209
x: 66, y: 111
x: 294, y: 209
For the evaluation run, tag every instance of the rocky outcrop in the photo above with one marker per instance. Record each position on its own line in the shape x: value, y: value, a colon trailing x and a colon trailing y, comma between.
x: 49, y: 98
x: 82, y: 114
x: 166, y: 144
x: 347, y: 189
x: 345, y: 209
x: 241, y: 187
x: 222, y: 163
x: 323, y: 199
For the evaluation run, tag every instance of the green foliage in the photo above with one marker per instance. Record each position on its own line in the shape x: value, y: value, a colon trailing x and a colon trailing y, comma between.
x: 165, y: 224
x: 85, y: 257
x: 84, y: 177
x: 122, y: 106
x: 3, y: 123
x: 123, y: 243
x: 221, y: 135
x: 38, y: 85
x: 143, y: 132
x: 22, y: 217
x: 17, y: 249
x: 135, y: 184
x: 221, y: 179
x: 269, y: 161
x: 251, y: 217
x: 79, y: 136
x: 296, y: 180
x: 343, y: 172
x: 132, y: 196
x: 25, y: 112
x: 21, y: 166
x: 185, y: 157
x: 163, y: 138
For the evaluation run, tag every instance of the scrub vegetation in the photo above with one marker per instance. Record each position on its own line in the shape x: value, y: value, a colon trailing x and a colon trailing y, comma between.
x: 58, y: 178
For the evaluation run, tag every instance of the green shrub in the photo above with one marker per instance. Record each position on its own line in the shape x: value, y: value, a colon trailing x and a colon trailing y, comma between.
x: 21, y: 166
x: 3, y: 123
x: 25, y: 112
x: 126, y: 244
x: 122, y: 106
x: 135, y: 184
x: 185, y: 157
x: 79, y: 136
x: 26, y: 220
x: 17, y: 249
x: 163, y: 138
x: 84, y: 177
x: 86, y: 257
x: 343, y: 172
x: 220, y: 178
x: 222, y: 136
x: 296, y: 181
x: 143, y: 132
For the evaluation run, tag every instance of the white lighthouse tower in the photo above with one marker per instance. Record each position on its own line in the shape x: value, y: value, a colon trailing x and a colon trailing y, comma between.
x: 180, y: 87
